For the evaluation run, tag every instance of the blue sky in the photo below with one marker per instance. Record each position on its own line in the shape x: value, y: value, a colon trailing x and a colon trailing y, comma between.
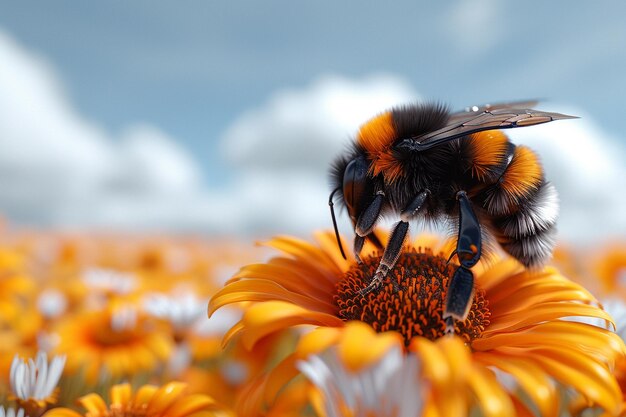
x: 207, y: 89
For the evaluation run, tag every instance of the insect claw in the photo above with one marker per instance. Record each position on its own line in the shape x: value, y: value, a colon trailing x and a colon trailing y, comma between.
x: 449, y: 325
x: 375, y: 283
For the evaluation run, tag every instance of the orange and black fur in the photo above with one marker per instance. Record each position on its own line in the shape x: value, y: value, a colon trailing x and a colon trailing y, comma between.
x: 424, y: 162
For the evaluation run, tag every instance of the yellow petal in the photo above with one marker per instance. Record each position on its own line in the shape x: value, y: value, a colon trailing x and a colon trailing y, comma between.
x: 503, y: 270
x: 62, y: 412
x: 165, y: 397
x: 434, y: 363
x: 586, y: 338
x: 263, y: 319
x: 265, y: 290
x: 532, y: 379
x: 232, y: 332
x: 120, y: 394
x: 289, y: 274
x: 538, y: 295
x: 328, y: 243
x: 190, y: 404
x: 492, y: 399
x: 544, y: 312
x: 306, y: 253
x: 144, y: 395
x: 279, y: 377
x: 458, y: 356
x: 94, y: 404
x: 360, y: 345
x: 317, y: 340
x: 588, y: 377
x: 507, y: 290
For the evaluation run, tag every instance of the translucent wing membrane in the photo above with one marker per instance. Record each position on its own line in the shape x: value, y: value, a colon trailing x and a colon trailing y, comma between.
x: 462, y: 115
x: 477, y: 119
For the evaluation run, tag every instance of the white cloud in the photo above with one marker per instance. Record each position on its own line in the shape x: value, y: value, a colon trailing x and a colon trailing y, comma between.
x: 304, y: 129
x: 56, y: 168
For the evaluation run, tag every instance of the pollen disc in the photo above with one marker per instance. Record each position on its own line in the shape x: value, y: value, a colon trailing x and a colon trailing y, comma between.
x: 412, y: 307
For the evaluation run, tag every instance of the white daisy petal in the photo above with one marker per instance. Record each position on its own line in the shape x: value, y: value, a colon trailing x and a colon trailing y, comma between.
x: 35, y: 380
x: 388, y: 387
x: 11, y: 412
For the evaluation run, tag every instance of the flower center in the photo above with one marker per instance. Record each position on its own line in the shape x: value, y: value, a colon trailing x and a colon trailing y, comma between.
x: 413, y: 307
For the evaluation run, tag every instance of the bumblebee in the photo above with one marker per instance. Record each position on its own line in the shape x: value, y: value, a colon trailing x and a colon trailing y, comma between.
x: 423, y: 162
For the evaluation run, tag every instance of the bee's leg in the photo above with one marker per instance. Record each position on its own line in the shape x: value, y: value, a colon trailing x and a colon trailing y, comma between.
x: 360, y: 240
x: 390, y: 256
x: 394, y: 247
x: 358, y: 247
x: 468, y: 250
x: 365, y: 223
x: 373, y: 237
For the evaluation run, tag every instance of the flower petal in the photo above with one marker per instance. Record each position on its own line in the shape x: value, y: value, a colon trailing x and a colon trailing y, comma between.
x: 265, y: 290
x: 94, y: 404
x: 262, y: 319
x: 164, y: 397
x: 576, y: 369
x: 360, y: 345
x: 189, y: 404
x: 544, y: 312
x: 532, y: 379
x: 602, y: 344
x: 492, y: 399
x: 120, y: 395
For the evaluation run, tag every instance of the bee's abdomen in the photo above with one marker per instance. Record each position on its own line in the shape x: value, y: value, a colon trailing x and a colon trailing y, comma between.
x: 529, y: 234
x: 524, y: 208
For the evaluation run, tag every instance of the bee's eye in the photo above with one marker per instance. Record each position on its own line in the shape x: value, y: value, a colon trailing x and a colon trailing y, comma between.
x: 355, y: 185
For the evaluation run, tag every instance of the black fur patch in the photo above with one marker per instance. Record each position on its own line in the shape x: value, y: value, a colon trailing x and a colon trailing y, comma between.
x: 417, y: 119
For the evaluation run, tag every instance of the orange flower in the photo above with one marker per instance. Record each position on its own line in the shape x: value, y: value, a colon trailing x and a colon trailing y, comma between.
x: 610, y: 269
x: 149, y: 400
x: 516, y: 323
x: 113, y: 343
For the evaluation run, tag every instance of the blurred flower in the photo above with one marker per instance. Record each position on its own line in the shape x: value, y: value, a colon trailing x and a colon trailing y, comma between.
x: 51, y: 303
x: 182, y: 309
x: 170, y: 400
x: 109, y: 281
x: 610, y: 269
x: 33, y: 383
x: 515, y: 323
x: 11, y: 412
x: 113, y: 343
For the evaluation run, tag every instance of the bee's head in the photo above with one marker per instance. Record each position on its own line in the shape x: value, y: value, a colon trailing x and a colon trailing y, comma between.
x: 350, y: 176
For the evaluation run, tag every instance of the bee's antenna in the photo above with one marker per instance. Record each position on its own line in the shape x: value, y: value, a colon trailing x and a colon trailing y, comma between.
x: 332, y: 214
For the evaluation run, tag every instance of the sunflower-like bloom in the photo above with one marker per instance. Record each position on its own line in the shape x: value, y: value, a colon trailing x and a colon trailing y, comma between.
x: 149, y: 401
x: 114, y: 343
x: 515, y: 325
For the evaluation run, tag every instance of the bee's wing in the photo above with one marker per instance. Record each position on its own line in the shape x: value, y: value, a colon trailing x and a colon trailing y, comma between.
x: 474, y: 110
x: 501, y: 117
